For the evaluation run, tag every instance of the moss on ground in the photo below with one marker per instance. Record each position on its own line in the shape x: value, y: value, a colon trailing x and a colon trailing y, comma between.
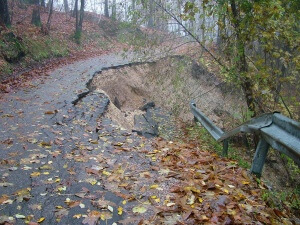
x: 16, y: 50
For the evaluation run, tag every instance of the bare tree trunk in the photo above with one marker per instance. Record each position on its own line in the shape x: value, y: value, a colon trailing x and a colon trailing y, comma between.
x: 221, y: 31
x: 66, y: 6
x: 151, y: 12
x: 12, y: 11
x: 76, y: 14
x: 50, y: 15
x: 75, y: 8
x: 203, y: 23
x: 242, y: 65
x: 82, y: 2
x: 36, y: 17
x: 125, y: 10
x: 179, y: 13
x: 4, y: 13
x: 114, y: 10
x: 46, y: 29
x: 43, y: 4
x: 106, y: 12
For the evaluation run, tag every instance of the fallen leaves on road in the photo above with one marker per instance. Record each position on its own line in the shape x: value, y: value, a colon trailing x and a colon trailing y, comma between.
x: 91, y: 170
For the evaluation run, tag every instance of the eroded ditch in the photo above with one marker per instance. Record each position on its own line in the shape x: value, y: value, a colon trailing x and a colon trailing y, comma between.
x: 170, y: 84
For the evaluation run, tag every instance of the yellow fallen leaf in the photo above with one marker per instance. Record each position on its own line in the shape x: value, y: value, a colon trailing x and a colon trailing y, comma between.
x: 77, y: 216
x: 57, y: 180
x: 245, y: 182
x: 106, y: 173
x: 118, y: 144
x: 45, y: 144
x: 46, y: 173
x: 154, y: 186
x: 105, y: 216
x: 200, y: 200
x: 139, y: 209
x: 123, y: 185
x: 193, y: 189
x: 41, y: 220
x: 120, y: 210
x: 231, y: 212
x: 102, y: 217
x: 124, y: 202
x: 58, y: 207
x: 32, y: 140
x: 95, y: 142
x: 35, y: 174
x: 225, y: 190
x: 62, y: 188
x: 46, y: 167
x: 120, y: 171
x: 156, y: 199
x: 93, y: 182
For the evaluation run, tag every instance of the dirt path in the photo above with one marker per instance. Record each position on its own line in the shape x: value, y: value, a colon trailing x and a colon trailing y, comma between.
x: 64, y: 162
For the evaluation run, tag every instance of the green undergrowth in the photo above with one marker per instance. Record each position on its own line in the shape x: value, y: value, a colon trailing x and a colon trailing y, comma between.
x: 282, y: 199
x: 44, y: 48
x: 133, y: 37
x: 5, y: 68
x: 131, y: 34
x: 16, y: 50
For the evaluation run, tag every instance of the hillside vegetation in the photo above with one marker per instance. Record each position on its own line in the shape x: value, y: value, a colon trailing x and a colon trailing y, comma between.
x: 24, y: 45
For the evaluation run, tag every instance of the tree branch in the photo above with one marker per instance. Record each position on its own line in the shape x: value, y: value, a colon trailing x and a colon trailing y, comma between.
x: 192, y: 35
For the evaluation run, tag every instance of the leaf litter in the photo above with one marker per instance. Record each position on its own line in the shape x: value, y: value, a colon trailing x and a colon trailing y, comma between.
x: 96, y: 172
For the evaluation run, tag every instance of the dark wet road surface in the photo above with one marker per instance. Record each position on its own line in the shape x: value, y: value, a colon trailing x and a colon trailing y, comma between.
x: 56, y: 148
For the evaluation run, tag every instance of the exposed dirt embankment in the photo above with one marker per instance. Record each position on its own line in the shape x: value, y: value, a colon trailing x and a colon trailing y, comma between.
x: 171, y: 83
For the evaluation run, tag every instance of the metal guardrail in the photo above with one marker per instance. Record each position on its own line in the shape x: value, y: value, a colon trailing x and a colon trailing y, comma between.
x: 274, y: 129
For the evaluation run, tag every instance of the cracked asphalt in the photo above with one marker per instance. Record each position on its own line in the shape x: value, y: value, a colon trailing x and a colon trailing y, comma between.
x: 52, y: 133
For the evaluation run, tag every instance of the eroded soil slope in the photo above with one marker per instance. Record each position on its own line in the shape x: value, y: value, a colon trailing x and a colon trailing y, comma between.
x: 171, y: 83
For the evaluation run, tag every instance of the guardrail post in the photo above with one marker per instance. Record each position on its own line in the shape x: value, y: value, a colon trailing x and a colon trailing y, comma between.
x: 225, y: 148
x: 194, y: 104
x: 260, y: 157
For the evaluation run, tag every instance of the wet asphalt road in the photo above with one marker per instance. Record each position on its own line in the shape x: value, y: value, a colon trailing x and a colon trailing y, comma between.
x: 54, y: 150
